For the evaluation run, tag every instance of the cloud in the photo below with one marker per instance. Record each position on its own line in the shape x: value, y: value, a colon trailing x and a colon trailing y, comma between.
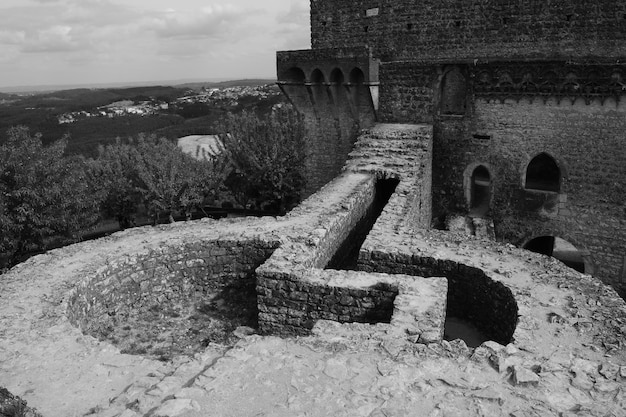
x: 293, y: 26
x: 54, y: 39
x: 213, y: 22
x: 298, y: 13
x: 105, y: 39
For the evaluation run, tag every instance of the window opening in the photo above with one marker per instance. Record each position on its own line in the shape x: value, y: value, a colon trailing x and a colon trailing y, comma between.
x: 481, y: 191
x: 543, y: 174
x: 453, y: 92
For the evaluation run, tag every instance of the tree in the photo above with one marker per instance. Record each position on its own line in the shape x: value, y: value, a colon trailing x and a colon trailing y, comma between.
x: 156, y: 173
x: 267, y: 158
x: 116, y: 169
x: 45, y: 196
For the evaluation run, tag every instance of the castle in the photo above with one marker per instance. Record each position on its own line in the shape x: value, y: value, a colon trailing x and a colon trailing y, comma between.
x: 526, y: 101
x: 496, y: 111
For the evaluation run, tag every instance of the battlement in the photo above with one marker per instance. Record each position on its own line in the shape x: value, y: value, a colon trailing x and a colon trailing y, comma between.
x: 462, y: 29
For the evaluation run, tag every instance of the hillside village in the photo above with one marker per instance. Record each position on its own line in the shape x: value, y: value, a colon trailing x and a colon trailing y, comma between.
x: 215, y: 97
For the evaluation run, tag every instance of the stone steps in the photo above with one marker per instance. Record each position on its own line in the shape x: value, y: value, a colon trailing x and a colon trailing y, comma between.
x: 162, y: 393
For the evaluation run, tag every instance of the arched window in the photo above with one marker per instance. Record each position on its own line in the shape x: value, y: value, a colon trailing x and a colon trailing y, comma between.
x: 453, y: 92
x: 543, y: 174
x: 318, y: 87
x: 293, y: 75
x: 357, y: 76
x: 336, y: 77
x: 317, y: 76
x: 480, y: 191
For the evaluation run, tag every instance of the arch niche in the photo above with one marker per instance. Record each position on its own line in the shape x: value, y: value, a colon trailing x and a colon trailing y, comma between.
x: 453, y: 92
x: 480, y: 191
x: 543, y: 174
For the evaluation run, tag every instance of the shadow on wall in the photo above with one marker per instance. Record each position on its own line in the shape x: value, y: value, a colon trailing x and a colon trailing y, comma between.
x: 559, y: 249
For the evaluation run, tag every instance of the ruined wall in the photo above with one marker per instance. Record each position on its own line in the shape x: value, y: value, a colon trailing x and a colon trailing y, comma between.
x: 163, y: 278
x: 472, y: 295
x: 586, y: 141
x: 465, y: 30
x: 290, y: 305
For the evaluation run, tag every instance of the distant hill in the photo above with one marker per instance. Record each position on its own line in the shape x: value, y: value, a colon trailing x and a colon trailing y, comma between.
x: 226, y: 84
x: 40, y: 89
x: 40, y: 112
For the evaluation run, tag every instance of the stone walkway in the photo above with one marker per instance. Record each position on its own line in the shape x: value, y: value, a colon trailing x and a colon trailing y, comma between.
x: 355, y: 370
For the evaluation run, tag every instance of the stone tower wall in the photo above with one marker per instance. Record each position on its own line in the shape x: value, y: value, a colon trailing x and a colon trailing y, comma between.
x: 463, y: 29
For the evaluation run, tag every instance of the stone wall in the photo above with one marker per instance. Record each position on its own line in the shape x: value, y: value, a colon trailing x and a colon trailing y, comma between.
x: 407, y: 92
x: 462, y: 30
x: 292, y: 299
x: 163, y: 277
x: 586, y: 141
x: 332, y: 122
x: 472, y: 295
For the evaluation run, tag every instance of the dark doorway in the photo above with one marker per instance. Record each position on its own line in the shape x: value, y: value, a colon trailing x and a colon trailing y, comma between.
x: 543, y: 174
x: 480, y: 191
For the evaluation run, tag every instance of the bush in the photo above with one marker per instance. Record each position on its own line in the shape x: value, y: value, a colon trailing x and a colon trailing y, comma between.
x: 267, y: 158
x: 45, y: 196
x: 154, y: 172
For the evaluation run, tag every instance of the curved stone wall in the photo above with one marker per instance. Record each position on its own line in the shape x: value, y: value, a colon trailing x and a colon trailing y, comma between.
x: 170, y: 288
x: 472, y: 294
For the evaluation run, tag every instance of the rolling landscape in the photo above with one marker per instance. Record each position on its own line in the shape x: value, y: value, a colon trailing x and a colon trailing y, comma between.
x: 89, y: 117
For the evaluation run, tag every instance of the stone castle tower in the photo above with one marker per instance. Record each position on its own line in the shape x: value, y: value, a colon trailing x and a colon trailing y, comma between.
x: 526, y: 100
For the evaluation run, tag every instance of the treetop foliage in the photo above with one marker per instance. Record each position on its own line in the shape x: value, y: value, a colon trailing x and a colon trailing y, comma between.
x: 267, y: 156
x: 43, y: 194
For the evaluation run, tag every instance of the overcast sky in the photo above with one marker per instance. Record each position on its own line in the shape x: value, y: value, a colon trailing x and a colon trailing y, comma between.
x: 45, y: 42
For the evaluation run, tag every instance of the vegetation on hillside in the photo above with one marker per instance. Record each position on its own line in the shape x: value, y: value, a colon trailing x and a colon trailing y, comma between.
x: 50, y: 197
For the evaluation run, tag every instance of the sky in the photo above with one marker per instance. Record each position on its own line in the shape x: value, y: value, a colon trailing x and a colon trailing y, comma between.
x: 66, y: 42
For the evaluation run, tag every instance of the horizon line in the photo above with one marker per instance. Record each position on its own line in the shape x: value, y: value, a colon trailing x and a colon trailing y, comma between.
x: 164, y: 82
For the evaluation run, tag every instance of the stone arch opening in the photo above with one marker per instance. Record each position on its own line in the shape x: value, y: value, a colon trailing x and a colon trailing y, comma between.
x: 480, y: 191
x: 318, y: 87
x: 293, y: 75
x: 453, y: 92
x: 356, y: 76
x: 559, y: 249
x: 337, y: 77
x: 543, y: 174
x: 317, y: 77
x: 361, y: 98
